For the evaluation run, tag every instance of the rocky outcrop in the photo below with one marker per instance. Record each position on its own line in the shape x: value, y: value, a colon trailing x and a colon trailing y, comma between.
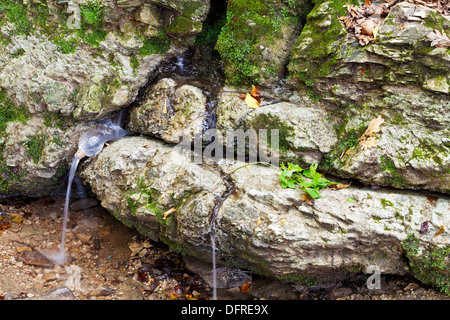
x: 400, y: 77
x: 260, y: 225
x: 139, y: 180
x: 321, y: 91
x: 63, y: 64
x: 256, y: 48
x: 170, y: 112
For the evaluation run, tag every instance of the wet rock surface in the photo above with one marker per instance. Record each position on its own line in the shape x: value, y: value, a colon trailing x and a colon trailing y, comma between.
x: 260, y: 225
x: 126, y: 266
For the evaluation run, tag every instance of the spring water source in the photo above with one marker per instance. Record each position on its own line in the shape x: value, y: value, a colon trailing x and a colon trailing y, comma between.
x: 89, y: 144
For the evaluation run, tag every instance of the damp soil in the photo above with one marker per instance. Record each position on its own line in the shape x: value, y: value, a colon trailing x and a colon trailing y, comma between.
x: 110, y: 261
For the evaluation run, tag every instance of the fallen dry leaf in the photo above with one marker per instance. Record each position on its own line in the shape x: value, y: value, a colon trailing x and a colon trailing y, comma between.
x: 5, y: 225
x: 438, y: 39
x: 340, y: 186
x: 441, y: 229
x: 246, y: 287
x: 251, y: 102
x: 307, y: 199
x: 165, y: 106
x: 252, y: 99
x: 357, y: 16
x: 166, y: 214
x: 368, y: 139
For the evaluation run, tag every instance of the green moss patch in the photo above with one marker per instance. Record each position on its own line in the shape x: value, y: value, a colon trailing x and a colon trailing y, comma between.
x: 35, y: 146
x: 10, y: 112
x: 431, y: 265
x: 158, y: 44
x: 249, y: 24
x: 315, y: 52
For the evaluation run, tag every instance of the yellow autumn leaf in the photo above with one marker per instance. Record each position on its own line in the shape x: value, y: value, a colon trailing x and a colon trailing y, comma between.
x: 375, y: 32
x: 251, y: 102
x: 165, y: 106
x: 18, y: 219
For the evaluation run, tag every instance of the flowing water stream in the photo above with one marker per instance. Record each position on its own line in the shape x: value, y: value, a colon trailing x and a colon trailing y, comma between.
x: 89, y: 144
x: 59, y: 257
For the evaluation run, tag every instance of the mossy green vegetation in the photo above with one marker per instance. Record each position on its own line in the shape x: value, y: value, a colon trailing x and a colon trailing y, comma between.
x: 387, y: 164
x: 35, y: 146
x: 348, y: 138
x: 182, y: 25
x: 270, y: 122
x: 430, y: 264
x: 92, y: 30
x: 10, y: 112
x: 210, y: 32
x: 31, y: 17
x: 55, y: 120
x: 158, y: 44
x: 249, y: 24
x: 17, y: 14
x: 314, y: 53
x: 8, y: 175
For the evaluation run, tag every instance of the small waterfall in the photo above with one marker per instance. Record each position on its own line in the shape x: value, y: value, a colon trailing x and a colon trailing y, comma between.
x: 89, y: 144
x: 230, y: 187
x: 59, y: 257
x: 213, y: 248
x: 180, y: 64
x: 62, y: 247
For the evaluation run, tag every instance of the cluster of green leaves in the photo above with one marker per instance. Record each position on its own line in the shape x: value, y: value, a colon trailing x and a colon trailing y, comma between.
x: 310, y: 181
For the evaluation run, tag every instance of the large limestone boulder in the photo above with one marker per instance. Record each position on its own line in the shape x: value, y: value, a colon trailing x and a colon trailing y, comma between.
x: 139, y: 180
x: 170, y: 112
x: 262, y: 226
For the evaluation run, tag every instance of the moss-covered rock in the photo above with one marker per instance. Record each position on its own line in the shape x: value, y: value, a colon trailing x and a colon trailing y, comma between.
x: 429, y: 263
x: 256, y: 39
x: 61, y: 60
x: 170, y: 112
x: 399, y: 76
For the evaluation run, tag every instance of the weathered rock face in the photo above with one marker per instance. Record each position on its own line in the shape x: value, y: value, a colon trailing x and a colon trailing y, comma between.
x: 254, y: 47
x: 260, y: 225
x: 170, y: 112
x: 140, y: 179
x: 305, y: 131
x: 35, y: 156
x: 63, y: 62
x: 400, y: 77
x: 322, y: 89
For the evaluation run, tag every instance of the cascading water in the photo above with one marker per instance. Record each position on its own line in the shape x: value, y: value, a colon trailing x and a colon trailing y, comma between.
x: 230, y: 187
x: 89, y: 144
